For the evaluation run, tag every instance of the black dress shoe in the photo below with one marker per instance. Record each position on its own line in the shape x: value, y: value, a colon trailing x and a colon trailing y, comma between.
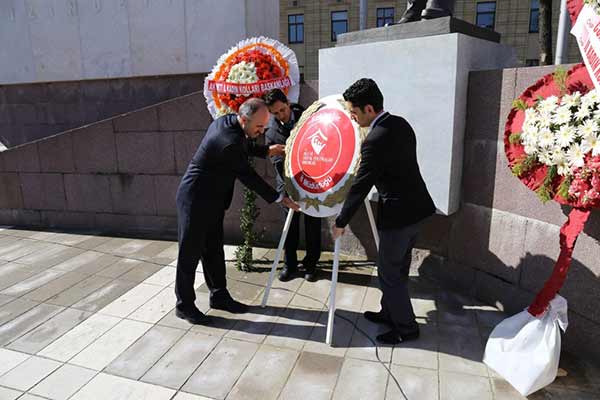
x: 394, y: 337
x: 226, y: 303
x: 193, y: 316
x: 287, y: 273
x: 376, y: 317
x: 310, y: 274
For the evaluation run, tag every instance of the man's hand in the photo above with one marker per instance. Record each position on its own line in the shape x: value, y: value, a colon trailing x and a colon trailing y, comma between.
x: 337, y: 232
x: 276, y: 150
x: 289, y: 203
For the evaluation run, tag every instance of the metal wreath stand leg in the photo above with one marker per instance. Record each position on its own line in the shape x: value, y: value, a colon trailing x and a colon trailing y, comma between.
x: 334, y: 274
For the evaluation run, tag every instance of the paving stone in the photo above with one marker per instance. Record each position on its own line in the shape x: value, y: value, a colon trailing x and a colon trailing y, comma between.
x: 504, y: 391
x: 455, y: 386
x: 265, y: 376
x: 131, y: 300
x: 421, y: 353
x: 25, y: 248
x: 108, y: 347
x: 25, y: 375
x: 93, y: 242
x: 5, y: 299
x: 163, y: 277
x: 13, y: 273
x: 461, y: 352
x: 41, y: 336
x: 112, y: 244
x: 109, y: 387
x: 222, y: 368
x: 342, y: 335
x: 26, y: 322
x: 77, y: 292
x: 176, y: 366
x: 188, y: 396
x: 293, y: 328
x: 89, y: 263
x: 33, y: 282
x: 255, y: 325
x: 313, y: 377
x: 156, y: 308
x: 10, y: 359
x: 119, y: 268
x: 145, y: 352
x: 64, y: 382
x: 104, y: 296
x: 360, y: 380
x: 140, y: 272
x: 15, y: 308
x: 151, y: 250
x: 416, y: 383
x: 366, y: 346
x: 58, y: 285
x: 78, y: 338
x: 9, y: 394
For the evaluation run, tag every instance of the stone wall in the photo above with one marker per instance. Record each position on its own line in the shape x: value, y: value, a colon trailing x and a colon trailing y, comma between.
x: 36, y: 110
x: 120, y: 174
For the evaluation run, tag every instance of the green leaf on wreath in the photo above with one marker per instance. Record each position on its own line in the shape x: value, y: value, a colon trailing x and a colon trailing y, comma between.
x: 520, y: 104
x: 515, y: 138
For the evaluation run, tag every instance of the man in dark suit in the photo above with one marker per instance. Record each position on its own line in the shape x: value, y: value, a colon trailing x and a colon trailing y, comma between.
x: 205, y: 193
x: 388, y: 161
x: 285, y: 116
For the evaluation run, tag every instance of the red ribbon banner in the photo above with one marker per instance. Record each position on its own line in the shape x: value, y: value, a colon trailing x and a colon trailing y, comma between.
x: 568, y: 236
x: 249, y: 88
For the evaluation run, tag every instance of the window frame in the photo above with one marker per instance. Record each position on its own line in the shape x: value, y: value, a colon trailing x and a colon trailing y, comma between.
x: 384, y: 17
x: 486, y: 13
x: 295, y: 24
x: 333, y: 34
x: 537, y: 11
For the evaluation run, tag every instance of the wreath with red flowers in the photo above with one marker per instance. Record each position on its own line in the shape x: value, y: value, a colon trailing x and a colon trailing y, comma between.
x: 249, y: 69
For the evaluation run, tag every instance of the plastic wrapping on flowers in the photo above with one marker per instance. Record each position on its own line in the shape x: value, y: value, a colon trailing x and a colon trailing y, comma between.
x: 249, y: 69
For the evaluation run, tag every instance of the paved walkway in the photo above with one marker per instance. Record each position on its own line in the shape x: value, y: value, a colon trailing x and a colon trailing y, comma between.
x: 91, y: 317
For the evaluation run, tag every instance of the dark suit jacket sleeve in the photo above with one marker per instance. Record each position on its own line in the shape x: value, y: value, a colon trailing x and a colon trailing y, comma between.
x: 369, y: 170
x: 257, y: 149
x: 238, y: 162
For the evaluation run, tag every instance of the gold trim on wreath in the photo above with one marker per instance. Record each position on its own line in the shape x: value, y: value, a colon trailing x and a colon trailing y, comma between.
x: 338, y: 196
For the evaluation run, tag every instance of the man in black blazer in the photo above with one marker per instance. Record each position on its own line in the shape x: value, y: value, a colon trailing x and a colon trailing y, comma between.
x: 388, y: 161
x: 205, y: 192
x: 285, y: 116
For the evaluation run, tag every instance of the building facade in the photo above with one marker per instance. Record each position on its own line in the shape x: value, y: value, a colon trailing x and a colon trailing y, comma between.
x: 63, y: 40
x: 309, y: 25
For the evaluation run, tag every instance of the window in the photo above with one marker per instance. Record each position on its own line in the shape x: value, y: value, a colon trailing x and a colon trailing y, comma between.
x: 296, y: 28
x: 532, y: 62
x: 385, y: 16
x: 486, y: 14
x: 339, y: 23
x: 534, y: 16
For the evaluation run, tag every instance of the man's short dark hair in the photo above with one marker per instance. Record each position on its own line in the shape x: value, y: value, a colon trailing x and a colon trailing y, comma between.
x: 364, y: 91
x: 274, y: 96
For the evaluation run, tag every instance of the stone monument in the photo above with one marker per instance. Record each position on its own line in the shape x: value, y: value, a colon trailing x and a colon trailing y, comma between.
x: 423, y: 71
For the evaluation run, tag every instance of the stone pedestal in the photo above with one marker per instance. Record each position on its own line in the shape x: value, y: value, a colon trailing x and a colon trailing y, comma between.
x: 424, y: 78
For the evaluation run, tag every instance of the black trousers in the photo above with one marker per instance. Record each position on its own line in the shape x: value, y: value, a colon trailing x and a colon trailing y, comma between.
x: 393, y: 266
x: 312, y: 228
x: 200, y: 235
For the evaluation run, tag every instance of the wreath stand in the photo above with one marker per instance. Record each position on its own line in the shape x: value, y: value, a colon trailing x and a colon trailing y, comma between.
x: 334, y: 274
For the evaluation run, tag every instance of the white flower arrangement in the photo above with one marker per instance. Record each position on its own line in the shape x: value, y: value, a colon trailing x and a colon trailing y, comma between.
x: 243, y: 73
x: 562, y: 131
